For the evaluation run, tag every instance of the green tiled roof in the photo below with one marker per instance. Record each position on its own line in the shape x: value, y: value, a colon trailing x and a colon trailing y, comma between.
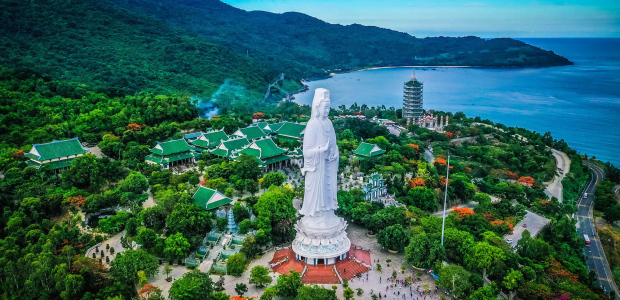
x: 297, y: 152
x: 368, y: 150
x: 210, y: 139
x: 251, y: 152
x: 268, y: 148
x: 209, y: 199
x: 293, y: 130
x: 171, y: 147
x: 253, y: 132
x: 276, y: 126
x: 56, y: 149
x: 230, y: 145
x: 65, y: 163
x: 171, y: 158
x: 274, y: 159
x: 264, y: 126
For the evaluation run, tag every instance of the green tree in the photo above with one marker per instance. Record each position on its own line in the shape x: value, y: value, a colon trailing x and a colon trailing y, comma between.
x: 176, y: 246
x: 251, y: 186
x: 86, y: 172
x: 125, y: 266
x: 424, y: 250
x: 236, y: 264
x: 488, y: 292
x: 455, y: 279
x: 535, y: 249
x: 249, y: 247
x: 194, y: 285
x: 273, y: 178
x: 134, y: 183
x: 483, y: 256
x: 240, y: 212
x: 147, y: 237
x: 241, y: 288
x: 315, y: 292
x: 456, y: 243
x: 276, y: 205
x: 348, y: 293
x: 288, y: 285
x: 260, y: 276
x: 394, y: 237
x: 246, y: 167
x: 512, y: 280
x: 189, y: 219
x: 422, y: 198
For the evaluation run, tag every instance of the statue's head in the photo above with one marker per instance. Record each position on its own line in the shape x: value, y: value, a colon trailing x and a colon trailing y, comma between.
x: 320, y: 104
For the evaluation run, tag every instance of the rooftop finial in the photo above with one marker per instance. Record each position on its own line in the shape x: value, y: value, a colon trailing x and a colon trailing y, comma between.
x: 413, y: 76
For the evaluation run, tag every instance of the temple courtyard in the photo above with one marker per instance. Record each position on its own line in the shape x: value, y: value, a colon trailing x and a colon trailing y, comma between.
x: 370, y: 281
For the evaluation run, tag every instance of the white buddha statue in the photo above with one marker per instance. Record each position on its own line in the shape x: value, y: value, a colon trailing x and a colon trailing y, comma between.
x: 320, y: 165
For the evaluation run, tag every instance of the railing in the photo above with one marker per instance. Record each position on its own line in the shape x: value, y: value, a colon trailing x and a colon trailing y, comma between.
x: 337, y: 274
x: 362, y: 263
x: 304, y: 271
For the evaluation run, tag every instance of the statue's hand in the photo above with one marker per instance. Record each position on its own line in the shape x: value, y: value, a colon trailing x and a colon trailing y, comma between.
x: 326, y: 148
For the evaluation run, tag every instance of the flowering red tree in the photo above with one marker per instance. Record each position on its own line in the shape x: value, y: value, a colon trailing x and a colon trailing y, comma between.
x: 416, y: 182
x: 416, y: 147
x: 258, y: 115
x: 147, y: 290
x: 18, y: 154
x: 76, y: 201
x: 134, y: 127
x: 511, y: 175
x: 526, y: 180
x: 441, y: 161
x: 449, y: 134
x: 462, y: 212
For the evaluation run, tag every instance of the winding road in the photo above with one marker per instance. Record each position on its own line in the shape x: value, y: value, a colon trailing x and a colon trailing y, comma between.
x: 597, y: 260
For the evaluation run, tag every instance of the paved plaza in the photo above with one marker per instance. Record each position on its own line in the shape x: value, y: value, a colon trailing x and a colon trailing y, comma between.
x: 371, y: 281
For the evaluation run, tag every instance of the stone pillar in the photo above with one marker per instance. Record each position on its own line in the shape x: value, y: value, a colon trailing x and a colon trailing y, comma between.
x: 447, y: 118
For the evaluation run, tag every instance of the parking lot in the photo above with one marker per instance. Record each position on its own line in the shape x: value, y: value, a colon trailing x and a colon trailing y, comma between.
x: 534, y: 224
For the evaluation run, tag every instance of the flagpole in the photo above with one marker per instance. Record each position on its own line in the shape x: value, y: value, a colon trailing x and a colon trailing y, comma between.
x: 445, y: 199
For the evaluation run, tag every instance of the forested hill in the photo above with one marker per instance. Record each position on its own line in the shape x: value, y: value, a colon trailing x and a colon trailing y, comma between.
x: 295, y: 41
x: 167, y: 46
x: 118, y: 51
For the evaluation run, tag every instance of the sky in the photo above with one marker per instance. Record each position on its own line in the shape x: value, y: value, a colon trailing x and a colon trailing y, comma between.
x: 484, y: 18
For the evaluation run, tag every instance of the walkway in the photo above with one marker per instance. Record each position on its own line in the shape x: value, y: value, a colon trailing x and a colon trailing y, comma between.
x: 554, y: 189
x: 428, y: 155
x: 114, y: 242
x: 597, y: 260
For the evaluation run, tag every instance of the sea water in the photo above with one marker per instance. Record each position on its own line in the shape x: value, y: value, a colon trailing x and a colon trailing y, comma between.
x: 579, y: 103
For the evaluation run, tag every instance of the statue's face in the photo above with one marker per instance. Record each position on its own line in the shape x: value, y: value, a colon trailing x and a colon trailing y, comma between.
x: 324, y: 109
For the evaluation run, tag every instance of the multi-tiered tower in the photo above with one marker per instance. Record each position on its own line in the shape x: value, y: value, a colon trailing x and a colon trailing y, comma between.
x: 412, y: 99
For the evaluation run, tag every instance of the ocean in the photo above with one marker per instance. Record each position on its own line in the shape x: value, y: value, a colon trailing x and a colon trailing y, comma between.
x: 579, y: 103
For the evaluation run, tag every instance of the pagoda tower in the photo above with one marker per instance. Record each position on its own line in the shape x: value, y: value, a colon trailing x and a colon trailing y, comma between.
x: 412, y: 99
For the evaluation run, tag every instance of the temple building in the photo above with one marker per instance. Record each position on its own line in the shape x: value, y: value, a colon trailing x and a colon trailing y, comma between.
x: 266, y: 127
x: 250, y: 133
x: 368, y: 150
x: 172, y: 153
x: 375, y: 188
x: 290, y: 131
x: 58, y: 155
x: 229, y: 147
x: 192, y: 136
x: 209, y: 140
x: 432, y: 122
x: 297, y: 157
x: 412, y: 100
x: 209, y: 199
x: 269, y: 155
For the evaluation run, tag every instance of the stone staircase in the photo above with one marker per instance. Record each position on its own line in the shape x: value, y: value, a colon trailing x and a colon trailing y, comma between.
x: 352, y: 267
x: 320, y: 274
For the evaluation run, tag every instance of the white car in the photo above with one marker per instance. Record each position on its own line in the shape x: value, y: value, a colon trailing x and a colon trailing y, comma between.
x: 509, y: 241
